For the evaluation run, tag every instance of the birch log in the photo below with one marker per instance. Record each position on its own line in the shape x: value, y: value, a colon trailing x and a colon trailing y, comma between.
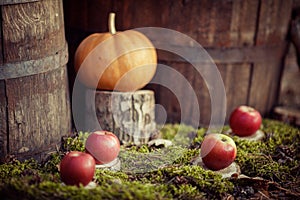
x: 129, y: 115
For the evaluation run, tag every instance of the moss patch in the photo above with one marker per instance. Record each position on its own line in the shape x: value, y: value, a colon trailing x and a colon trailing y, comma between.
x: 271, y: 168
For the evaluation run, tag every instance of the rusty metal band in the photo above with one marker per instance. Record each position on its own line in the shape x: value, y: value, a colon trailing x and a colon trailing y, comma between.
x: 9, y: 2
x: 32, y: 67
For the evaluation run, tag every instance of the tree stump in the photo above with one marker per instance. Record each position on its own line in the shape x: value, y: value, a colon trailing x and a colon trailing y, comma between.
x: 129, y: 115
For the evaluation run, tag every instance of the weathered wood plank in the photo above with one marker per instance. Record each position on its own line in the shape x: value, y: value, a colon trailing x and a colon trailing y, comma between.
x: 236, y: 81
x: 232, y: 31
x: 79, y: 23
x: 3, y: 121
x: 289, y: 91
x: 194, y: 20
x: 177, y: 94
x: 35, y: 107
x: 236, y: 75
x: 273, y: 21
x: 243, y: 23
x: 86, y: 18
x: 266, y: 77
x: 28, y: 26
x: 133, y: 14
x: 38, y: 111
x: 1, y: 50
x: 203, y: 96
x: 7, y: 2
x: 236, y: 55
x: 165, y: 96
x: 288, y: 114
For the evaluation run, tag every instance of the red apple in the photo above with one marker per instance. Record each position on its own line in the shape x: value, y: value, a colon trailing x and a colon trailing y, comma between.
x: 77, y: 168
x: 104, y: 146
x: 245, y: 121
x: 218, y: 151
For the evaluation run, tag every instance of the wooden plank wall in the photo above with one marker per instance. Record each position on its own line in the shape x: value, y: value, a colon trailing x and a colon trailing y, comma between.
x: 254, y: 31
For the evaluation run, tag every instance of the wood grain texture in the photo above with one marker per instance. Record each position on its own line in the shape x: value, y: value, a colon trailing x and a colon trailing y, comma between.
x: 1, y: 48
x: 243, y: 22
x: 288, y: 114
x: 235, y: 55
x: 203, y: 96
x: 7, y: 2
x: 227, y: 24
x: 289, y: 90
x: 32, y: 67
x: 35, y: 107
x: 273, y: 22
x: 32, y: 30
x: 79, y: 23
x: 38, y: 111
x: 242, y: 30
x: 236, y: 81
x: 245, y: 38
x: 3, y: 120
x: 129, y: 115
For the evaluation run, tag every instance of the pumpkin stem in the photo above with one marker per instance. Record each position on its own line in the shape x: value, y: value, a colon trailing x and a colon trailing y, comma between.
x: 111, y: 23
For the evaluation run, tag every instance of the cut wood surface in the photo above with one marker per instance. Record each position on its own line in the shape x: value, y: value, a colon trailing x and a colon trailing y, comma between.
x: 233, y: 170
x: 259, y: 135
x: 288, y: 114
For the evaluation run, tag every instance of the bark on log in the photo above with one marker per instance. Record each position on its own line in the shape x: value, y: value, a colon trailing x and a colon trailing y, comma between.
x: 129, y: 115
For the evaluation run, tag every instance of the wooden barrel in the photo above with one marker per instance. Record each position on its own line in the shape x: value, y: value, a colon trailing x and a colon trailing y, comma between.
x: 246, y: 39
x: 34, y: 97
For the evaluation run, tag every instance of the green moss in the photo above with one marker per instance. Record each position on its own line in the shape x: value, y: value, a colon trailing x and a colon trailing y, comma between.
x: 179, y: 134
x: 134, y: 161
x: 263, y: 158
x: 15, y: 168
x: 186, y: 191
x: 160, y: 173
x: 200, y: 135
x: 76, y: 143
x: 107, y: 176
x: 205, y: 180
x: 106, y: 189
x: 51, y: 165
x: 186, y: 156
x: 199, y: 181
x: 280, y: 134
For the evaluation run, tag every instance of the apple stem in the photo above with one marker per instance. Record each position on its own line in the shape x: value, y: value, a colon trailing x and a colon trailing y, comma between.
x: 101, y: 132
x: 111, y: 23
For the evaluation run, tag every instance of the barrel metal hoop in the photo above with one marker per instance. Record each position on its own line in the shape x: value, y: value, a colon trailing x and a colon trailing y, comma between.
x: 32, y: 67
x: 9, y: 2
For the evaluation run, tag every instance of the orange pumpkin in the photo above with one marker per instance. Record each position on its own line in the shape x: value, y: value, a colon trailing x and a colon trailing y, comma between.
x: 124, y: 61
